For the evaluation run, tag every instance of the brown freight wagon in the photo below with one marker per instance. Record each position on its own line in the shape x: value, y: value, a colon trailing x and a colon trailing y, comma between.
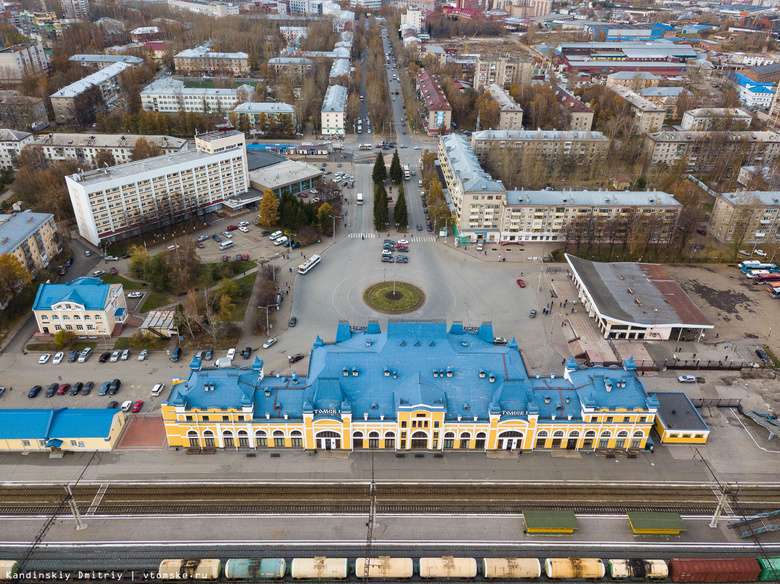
x: 714, y: 570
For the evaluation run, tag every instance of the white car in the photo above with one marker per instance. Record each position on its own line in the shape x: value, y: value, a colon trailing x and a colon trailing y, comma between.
x: 243, y: 229
x: 143, y: 355
x: 231, y: 354
x: 270, y: 342
x: 125, y: 355
x: 58, y: 358
x: 761, y: 252
x: 127, y: 405
x: 418, y: 147
x: 157, y: 389
x: 243, y: 223
x: 227, y: 234
x: 44, y: 358
x: 135, y: 295
x: 686, y: 379
x: 112, y: 259
x: 115, y: 356
x: 403, y: 242
x: 743, y: 252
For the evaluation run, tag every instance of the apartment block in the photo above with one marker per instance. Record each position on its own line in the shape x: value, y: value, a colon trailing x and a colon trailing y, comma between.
x: 716, y: 118
x: 31, y: 238
x: 75, y: 9
x: 633, y: 80
x: 213, y: 9
x: 21, y: 112
x: 703, y: 149
x: 751, y: 217
x: 203, y: 61
x: 259, y: 114
x: 67, y: 102
x: 504, y: 71
x: 19, y: 60
x: 84, y: 147
x: 665, y: 97
x: 511, y: 113
x: 551, y: 145
x: 125, y: 200
x: 169, y: 96
x: 580, y: 115
x: 11, y: 144
x: 413, y: 17
x: 297, y: 66
x: 333, y: 115
x: 97, y: 62
x: 648, y: 117
x: 293, y: 33
x: 436, y: 111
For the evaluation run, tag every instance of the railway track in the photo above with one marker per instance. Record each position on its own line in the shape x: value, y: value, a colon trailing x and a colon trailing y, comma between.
x: 392, y: 499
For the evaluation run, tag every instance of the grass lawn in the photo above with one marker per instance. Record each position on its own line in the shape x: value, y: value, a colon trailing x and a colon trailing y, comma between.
x: 199, y: 84
x: 127, y: 284
x: 155, y: 300
x: 55, y: 347
x: 205, y: 280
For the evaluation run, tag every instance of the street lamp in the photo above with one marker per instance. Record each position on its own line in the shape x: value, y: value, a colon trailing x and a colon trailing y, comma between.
x: 267, y: 325
x: 334, y: 225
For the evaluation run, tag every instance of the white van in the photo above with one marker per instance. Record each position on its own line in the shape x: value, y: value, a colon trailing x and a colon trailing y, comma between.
x: 275, y: 235
x: 281, y: 240
x: 225, y: 245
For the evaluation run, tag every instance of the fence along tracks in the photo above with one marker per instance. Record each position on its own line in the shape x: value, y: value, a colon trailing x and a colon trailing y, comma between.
x: 314, y: 499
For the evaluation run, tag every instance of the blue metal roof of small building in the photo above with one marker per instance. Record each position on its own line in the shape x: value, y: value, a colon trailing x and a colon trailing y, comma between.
x: 414, y: 365
x: 89, y: 292
x: 45, y: 424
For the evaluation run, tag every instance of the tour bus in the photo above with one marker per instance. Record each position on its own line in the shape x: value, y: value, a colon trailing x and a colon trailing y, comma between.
x: 359, y: 199
x: 766, y: 278
x: 365, y: 147
x: 225, y: 245
x: 309, y: 264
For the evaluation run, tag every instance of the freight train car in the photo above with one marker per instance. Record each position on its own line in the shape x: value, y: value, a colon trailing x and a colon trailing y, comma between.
x: 495, y: 568
x: 255, y: 569
x: 447, y: 567
x: 190, y: 569
x: 637, y: 569
x: 770, y: 569
x: 714, y: 570
x: 385, y: 567
x: 7, y: 569
x: 557, y: 568
x: 319, y: 568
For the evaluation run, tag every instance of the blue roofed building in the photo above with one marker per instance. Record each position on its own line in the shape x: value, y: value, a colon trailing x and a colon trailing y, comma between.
x: 88, y: 307
x: 752, y: 93
x: 60, y: 430
x: 416, y: 386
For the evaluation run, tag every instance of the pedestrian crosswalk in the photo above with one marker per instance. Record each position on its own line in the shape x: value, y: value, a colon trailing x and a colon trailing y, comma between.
x: 411, y: 238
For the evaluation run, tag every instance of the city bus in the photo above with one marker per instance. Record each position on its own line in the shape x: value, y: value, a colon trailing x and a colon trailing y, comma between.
x: 407, y: 176
x: 365, y: 147
x: 309, y: 264
x: 359, y: 199
x: 766, y: 278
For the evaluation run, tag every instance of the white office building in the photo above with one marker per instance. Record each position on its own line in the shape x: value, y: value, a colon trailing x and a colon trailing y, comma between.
x: 125, y: 200
x: 334, y: 111
x: 168, y: 96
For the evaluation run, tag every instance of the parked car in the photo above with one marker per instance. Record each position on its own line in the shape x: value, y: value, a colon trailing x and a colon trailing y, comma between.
x: 269, y: 343
x: 295, y: 358
x: 98, y: 273
x: 158, y: 389
x: 500, y: 341
x: 57, y: 358
x: 43, y: 359
x: 87, y: 387
x: 520, y: 283
x: 74, y: 355
x: 127, y: 405
x: 63, y: 389
x: 63, y: 270
x: 227, y: 234
x: 104, y: 387
x: 113, y: 405
x: 209, y: 354
x: 401, y: 259
x: 701, y: 231
x: 87, y: 253
x: 52, y: 389
x: 114, y: 387
x: 116, y: 355
x: 105, y: 357
x: 243, y: 229
x: 143, y: 355
x: 137, y: 406
x: 76, y: 388
x: 69, y: 261
x: 34, y: 391
x: 246, y: 352
x: 202, y: 237
x: 85, y: 354
x: 112, y: 259
x: 125, y: 355
x: 113, y: 271
x: 225, y: 258
x: 686, y: 379
x: 176, y: 354
x: 232, y: 227
x: 216, y: 238
x: 480, y: 247
x: 532, y: 314
x: 231, y: 353
x: 387, y: 259
x: 243, y: 223
x: 293, y: 320
x: 762, y: 355
x: 419, y: 227
x: 761, y: 252
x: 135, y: 295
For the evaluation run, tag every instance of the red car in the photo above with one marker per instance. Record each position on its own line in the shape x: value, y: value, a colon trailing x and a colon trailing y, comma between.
x: 246, y: 257
x: 137, y: 406
x: 225, y: 259
x: 63, y: 270
x: 113, y: 271
x: 63, y: 389
x: 521, y: 283
x: 200, y: 245
x: 232, y: 227
x: 295, y: 358
x: 303, y: 195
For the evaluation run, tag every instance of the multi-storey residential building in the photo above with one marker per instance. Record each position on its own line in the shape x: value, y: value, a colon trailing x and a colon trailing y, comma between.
x: 11, y: 144
x: 703, y: 149
x: 333, y: 115
x: 580, y: 116
x: 752, y: 93
x: 716, y: 118
x: 258, y: 115
x: 75, y: 9
x: 84, y: 147
x: 648, y: 117
x: 477, y: 199
x: 413, y: 17
x: 203, y: 61
x: 581, y: 215
x: 665, y: 97
x: 31, y: 238
x: 128, y: 199
x: 529, y: 8
x: 297, y: 66
x: 404, y: 390
x: 97, y: 62
x: 551, y: 145
x: 87, y: 307
x: 511, y: 113
x: 747, y: 217
x: 19, y: 60
x: 436, y: 111
x: 340, y: 67
x: 168, y: 96
x: 633, y: 80
x: 504, y: 71
x: 68, y: 104
x: 21, y: 112
x: 769, y: 73
x: 145, y: 33
x: 293, y: 33
x: 213, y: 8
